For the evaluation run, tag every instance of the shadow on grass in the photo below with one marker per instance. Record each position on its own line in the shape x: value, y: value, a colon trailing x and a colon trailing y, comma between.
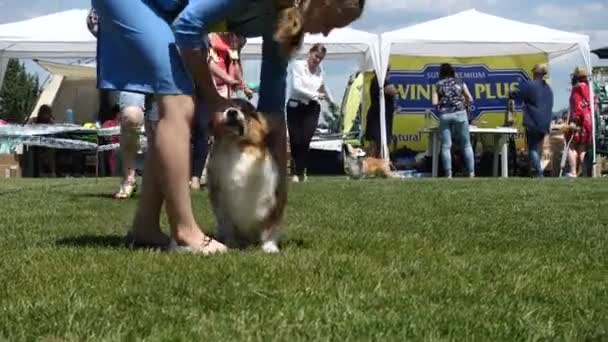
x: 97, y: 241
x: 297, y: 243
x: 101, y: 195
x: 119, y: 241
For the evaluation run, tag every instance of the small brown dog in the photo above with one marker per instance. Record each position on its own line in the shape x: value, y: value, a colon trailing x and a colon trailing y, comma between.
x: 357, y: 166
x: 247, y: 177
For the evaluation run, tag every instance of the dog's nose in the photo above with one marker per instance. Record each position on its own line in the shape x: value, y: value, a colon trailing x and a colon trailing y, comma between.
x: 232, y: 114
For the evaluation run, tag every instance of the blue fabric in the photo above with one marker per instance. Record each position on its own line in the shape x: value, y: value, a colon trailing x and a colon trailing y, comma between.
x: 538, y: 105
x: 192, y: 24
x: 459, y: 123
x: 534, y: 140
x: 200, y: 143
x: 137, y: 48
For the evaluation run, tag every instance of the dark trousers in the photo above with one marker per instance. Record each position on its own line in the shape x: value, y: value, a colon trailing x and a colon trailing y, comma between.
x: 302, y: 121
x: 535, y: 141
x: 199, y: 140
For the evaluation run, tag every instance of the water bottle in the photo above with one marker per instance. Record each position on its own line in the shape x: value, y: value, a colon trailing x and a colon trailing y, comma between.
x: 69, y: 116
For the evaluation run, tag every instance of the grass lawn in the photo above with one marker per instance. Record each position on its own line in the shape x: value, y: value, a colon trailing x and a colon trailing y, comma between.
x: 481, y: 260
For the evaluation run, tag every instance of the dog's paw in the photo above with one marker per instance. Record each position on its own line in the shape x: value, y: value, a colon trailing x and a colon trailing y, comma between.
x: 270, y: 247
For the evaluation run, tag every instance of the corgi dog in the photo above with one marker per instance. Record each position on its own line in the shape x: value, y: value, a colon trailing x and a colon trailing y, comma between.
x: 357, y: 165
x: 247, y: 177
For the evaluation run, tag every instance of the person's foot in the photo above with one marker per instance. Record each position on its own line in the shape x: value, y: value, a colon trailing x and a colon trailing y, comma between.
x: 205, y: 246
x: 195, y: 183
x: 127, y: 188
x: 295, y: 179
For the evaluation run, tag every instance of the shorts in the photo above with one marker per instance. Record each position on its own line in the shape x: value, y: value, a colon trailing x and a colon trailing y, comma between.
x: 146, y: 102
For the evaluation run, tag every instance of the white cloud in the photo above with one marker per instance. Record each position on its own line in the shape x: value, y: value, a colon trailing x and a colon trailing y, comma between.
x: 576, y: 16
x: 598, y: 38
x: 429, y: 6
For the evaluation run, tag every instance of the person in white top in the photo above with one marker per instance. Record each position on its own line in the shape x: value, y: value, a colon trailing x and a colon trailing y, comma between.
x: 308, y: 90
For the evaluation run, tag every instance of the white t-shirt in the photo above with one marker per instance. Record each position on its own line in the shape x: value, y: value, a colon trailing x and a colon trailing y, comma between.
x: 306, y: 85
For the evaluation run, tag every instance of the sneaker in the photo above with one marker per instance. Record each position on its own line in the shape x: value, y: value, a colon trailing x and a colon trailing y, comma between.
x: 295, y: 179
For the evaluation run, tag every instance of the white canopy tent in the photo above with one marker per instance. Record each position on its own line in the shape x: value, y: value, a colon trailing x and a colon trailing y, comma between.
x: 64, y: 35
x: 474, y: 34
x: 340, y: 43
x: 57, y: 35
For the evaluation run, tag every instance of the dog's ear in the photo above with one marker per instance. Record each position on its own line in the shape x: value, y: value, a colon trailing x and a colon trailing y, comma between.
x: 244, y: 105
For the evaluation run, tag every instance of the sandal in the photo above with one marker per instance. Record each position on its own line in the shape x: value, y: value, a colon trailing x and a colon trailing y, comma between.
x: 127, y: 189
x: 208, y: 246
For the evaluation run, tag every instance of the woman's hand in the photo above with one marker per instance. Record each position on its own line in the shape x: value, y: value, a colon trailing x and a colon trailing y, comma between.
x: 234, y: 82
x: 248, y: 92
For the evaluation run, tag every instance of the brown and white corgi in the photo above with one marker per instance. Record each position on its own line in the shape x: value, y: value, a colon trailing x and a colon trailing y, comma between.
x: 357, y: 165
x: 247, y: 176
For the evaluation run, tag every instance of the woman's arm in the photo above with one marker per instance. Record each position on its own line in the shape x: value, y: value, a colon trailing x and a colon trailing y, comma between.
x: 467, y: 95
x: 435, y: 98
x: 217, y: 71
x: 190, y: 27
x: 390, y: 90
x: 325, y: 90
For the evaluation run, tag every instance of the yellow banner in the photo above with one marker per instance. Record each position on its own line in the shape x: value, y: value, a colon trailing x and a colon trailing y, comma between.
x: 490, y: 79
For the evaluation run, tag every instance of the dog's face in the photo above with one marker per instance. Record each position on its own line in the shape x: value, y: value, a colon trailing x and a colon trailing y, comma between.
x: 240, y: 123
x: 353, y: 161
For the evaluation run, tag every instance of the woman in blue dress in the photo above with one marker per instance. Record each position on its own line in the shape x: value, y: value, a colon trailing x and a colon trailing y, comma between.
x: 160, y: 47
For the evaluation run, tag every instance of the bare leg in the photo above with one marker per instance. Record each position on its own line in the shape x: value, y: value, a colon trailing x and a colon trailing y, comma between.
x: 146, y: 226
x: 172, y: 151
x: 132, y: 119
x: 572, y: 158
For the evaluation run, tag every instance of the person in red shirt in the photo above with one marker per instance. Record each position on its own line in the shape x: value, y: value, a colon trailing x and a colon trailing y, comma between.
x: 580, y: 121
x: 227, y: 72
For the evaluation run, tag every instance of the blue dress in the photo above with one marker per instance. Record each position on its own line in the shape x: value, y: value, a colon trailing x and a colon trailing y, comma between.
x: 138, y: 39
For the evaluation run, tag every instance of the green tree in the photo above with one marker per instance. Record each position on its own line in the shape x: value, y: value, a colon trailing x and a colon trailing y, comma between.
x: 19, y: 92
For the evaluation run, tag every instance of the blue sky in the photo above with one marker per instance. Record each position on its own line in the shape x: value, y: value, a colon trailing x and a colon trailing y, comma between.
x: 382, y: 15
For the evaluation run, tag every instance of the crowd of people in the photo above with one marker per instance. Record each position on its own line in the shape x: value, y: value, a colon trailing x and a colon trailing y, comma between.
x: 451, y: 100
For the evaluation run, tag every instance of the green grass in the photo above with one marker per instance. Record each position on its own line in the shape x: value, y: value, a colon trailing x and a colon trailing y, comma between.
x: 481, y: 260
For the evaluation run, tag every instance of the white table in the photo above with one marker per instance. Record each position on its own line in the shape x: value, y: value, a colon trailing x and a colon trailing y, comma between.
x: 500, y: 146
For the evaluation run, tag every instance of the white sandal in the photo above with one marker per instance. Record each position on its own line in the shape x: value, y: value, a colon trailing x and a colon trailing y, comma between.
x: 208, y: 246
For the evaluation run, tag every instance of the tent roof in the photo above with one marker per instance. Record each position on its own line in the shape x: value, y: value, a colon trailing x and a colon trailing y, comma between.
x: 473, y: 33
x: 57, y: 35
x: 340, y: 43
x: 602, y: 53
